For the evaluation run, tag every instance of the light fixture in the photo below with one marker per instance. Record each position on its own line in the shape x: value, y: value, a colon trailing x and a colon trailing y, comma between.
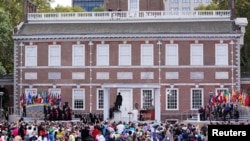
x: 231, y: 42
x: 171, y: 85
x: 196, y: 85
x: 159, y: 42
x: 221, y: 85
x: 91, y: 43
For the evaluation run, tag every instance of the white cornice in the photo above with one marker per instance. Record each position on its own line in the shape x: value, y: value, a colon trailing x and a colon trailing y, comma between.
x: 122, y: 36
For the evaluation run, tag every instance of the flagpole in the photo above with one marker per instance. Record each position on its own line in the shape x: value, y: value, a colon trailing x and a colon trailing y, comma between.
x: 232, y: 61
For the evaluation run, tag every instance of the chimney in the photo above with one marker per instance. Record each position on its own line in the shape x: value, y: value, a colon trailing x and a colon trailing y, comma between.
x: 28, y: 7
x: 231, y: 6
x: 25, y: 11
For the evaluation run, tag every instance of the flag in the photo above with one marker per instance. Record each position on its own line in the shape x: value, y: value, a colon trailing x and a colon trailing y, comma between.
x: 22, y: 101
x: 219, y: 97
x: 235, y: 97
x: 241, y: 98
x: 226, y: 96
x: 45, y: 97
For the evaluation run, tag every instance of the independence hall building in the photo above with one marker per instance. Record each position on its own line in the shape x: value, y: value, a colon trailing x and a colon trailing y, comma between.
x: 166, y: 61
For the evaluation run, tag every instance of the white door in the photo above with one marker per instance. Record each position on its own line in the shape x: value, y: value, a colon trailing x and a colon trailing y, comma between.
x: 127, y: 103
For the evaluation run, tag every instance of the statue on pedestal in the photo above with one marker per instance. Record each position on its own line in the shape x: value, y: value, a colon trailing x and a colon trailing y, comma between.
x: 118, y: 102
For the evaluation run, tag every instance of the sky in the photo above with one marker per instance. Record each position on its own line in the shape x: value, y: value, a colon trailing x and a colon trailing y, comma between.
x: 62, y: 3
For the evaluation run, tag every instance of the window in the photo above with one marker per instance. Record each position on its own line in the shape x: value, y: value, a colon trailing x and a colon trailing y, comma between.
x: 197, y: 1
x: 185, y: 1
x: 196, y: 54
x: 31, y: 56
x: 100, y: 99
x: 54, y: 55
x: 55, y: 94
x: 185, y: 10
x: 208, y: 1
x: 124, y: 54
x: 196, y: 98
x: 221, y: 54
x: 174, y: 1
x: 172, y: 54
x: 78, y: 55
x: 30, y: 95
x: 172, y: 98
x: 78, y: 99
x: 102, y: 55
x: 146, y: 54
x: 147, y: 99
x: 133, y: 5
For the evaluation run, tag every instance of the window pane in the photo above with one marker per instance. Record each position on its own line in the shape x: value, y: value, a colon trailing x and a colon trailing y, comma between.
x: 102, y: 55
x: 196, y: 98
x: 31, y: 56
x: 221, y: 52
x: 54, y: 55
x: 78, y: 99
x: 172, y: 99
x: 78, y: 55
x: 196, y: 54
x: 147, y: 97
x: 124, y: 54
x: 100, y: 99
x: 147, y: 54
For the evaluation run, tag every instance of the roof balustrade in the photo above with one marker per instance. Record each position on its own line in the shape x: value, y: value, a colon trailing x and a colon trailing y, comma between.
x: 128, y: 16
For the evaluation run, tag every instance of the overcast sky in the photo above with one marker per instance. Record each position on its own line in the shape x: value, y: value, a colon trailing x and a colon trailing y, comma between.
x: 62, y: 2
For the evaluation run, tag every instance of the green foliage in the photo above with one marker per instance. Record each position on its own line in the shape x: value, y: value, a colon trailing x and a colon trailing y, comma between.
x: 98, y: 9
x: 67, y: 9
x: 6, y: 49
x: 211, y: 6
x: 42, y: 5
x: 2, y: 69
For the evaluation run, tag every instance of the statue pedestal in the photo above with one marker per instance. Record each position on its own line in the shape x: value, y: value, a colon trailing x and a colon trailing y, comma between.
x: 117, y: 116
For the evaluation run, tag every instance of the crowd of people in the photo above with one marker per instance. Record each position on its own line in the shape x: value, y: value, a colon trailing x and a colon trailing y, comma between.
x: 219, y: 112
x: 106, y: 130
x: 57, y: 112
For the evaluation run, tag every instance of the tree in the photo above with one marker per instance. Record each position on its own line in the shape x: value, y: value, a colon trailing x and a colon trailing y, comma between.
x: 42, y: 5
x: 6, y: 51
x: 241, y: 10
x: 98, y: 9
x: 67, y: 9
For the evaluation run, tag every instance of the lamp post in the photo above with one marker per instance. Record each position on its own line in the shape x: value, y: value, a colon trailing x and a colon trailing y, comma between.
x: 1, y: 96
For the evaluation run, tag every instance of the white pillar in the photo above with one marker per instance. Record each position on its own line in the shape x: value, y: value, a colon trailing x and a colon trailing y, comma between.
x: 198, y: 117
x: 157, y: 105
x: 106, y: 104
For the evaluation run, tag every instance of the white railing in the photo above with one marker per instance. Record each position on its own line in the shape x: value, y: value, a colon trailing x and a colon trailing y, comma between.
x: 128, y: 15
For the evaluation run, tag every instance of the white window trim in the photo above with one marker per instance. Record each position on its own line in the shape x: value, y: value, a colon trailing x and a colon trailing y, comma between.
x: 97, y: 99
x: 191, y: 54
x: 49, y: 63
x: 218, y: 45
x: 191, y: 98
x: 168, y: 89
x: 142, y: 97
x: 97, y: 54
x: 84, y: 99
x: 83, y: 54
x: 128, y: 46
x: 177, y: 54
x: 152, y: 55
x: 26, y: 56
